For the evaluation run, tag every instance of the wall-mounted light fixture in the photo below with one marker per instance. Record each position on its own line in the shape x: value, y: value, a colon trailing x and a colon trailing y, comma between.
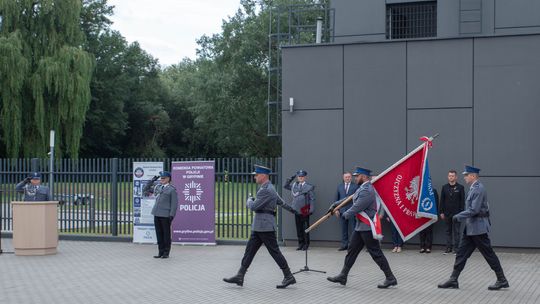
x: 291, y: 104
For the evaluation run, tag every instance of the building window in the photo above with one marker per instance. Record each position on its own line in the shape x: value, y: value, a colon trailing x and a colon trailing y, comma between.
x: 411, y: 20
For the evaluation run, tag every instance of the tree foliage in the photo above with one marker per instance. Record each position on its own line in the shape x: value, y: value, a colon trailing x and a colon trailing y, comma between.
x: 44, y: 75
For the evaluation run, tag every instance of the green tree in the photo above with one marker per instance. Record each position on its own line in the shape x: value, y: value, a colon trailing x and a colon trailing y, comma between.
x: 44, y: 75
x: 106, y: 119
x: 226, y: 87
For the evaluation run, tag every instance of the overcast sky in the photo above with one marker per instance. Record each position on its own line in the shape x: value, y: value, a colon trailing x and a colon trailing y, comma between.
x: 167, y: 29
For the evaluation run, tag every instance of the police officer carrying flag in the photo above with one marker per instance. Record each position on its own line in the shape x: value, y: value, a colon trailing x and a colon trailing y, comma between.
x: 264, y: 229
x: 364, y: 200
x: 475, y: 235
x: 32, y: 189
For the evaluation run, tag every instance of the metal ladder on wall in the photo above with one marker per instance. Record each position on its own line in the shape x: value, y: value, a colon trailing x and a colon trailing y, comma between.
x: 291, y: 25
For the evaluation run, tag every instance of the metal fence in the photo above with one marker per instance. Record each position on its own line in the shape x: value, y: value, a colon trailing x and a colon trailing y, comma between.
x: 96, y: 195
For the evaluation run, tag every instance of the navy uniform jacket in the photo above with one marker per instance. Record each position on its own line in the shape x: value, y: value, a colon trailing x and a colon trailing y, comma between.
x: 340, y: 194
x: 166, y: 199
x: 33, y: 193
x: 264, y: 205
x: 476, y: 211
x: 302, y: 195
x: 363, y: 200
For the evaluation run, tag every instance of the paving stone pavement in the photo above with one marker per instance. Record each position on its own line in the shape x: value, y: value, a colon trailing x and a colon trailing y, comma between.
x: 104, y: 272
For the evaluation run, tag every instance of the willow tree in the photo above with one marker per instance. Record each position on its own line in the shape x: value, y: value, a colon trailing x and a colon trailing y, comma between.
x: 44, y: 75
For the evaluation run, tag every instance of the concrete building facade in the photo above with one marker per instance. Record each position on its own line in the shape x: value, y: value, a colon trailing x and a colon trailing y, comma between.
x: 366, y: 99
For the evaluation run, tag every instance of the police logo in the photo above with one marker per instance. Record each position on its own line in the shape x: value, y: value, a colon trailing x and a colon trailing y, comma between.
x: 426, y: 204
x: 192, y: 192
x: 139, y: 172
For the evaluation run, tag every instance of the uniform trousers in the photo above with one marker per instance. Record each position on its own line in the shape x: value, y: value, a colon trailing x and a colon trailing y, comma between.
x: 256, y: 240
x: 163, y: 234
x: 302, y: 223
x: 358, y: 241
x: 467, y: 246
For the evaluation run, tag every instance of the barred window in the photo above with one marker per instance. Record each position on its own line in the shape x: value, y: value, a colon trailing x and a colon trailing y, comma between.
x: 411, y: 20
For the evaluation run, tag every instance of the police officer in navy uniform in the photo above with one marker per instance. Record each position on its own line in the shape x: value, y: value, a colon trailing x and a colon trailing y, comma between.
x: 163, y: 211
x: 363, y: 200
x: 303, y: 204
x: 263, y: 229
x: 475, y: 234
x: 344, y: 190
x: 33, y: 190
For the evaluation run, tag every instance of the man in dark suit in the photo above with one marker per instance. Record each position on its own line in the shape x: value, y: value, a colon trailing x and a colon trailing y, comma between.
x: 364, y: 203
x: 452, y: 203
x: 264, y: 229
x: 163, y: 211
x: 475, y: 235
x: 344, y: 190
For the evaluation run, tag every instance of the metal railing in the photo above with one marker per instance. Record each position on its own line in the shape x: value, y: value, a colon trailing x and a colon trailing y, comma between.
x: 96, y: 195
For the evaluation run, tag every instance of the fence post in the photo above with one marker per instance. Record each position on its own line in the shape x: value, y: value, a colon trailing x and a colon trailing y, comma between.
x: 114, y: 196
x: 279, y: 190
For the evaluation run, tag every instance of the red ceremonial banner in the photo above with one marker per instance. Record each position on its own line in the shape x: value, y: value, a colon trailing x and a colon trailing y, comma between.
x: 399, y: 189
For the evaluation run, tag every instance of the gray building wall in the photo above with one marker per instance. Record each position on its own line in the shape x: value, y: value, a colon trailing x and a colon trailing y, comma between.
x: 368, y: 103
x: 360, y: 21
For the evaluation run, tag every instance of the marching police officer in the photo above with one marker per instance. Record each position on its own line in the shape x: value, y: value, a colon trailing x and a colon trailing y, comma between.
x: 264, y: 229
x: 363, y: 200
x: 33, y: 189
x: 303, y: 204
x: 475, y: 235
x: 164, y: 210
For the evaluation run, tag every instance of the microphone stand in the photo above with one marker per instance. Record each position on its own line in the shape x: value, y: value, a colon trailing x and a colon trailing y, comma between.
x: 306, y: 267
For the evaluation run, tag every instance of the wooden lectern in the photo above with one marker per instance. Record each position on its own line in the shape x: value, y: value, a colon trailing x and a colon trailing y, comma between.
x: 35, y: 227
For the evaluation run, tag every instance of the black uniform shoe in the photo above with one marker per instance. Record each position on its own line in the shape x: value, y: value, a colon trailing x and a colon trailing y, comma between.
x: 158, y: 256
x: 451, y: 283
x: 340, y: 278
x: 300, y: 247
x: 501, y: 282
x: 447, y: 251
x: 238, y: 279
x: 165, y: 256
x: 342, y: 248
x: 390, y: 281
x: 288, y: 279
x: 305, y: 247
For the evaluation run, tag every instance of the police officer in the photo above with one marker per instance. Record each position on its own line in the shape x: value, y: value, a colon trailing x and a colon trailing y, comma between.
x: 163, y: 211
x: 33, y: 189
x: 363, y: 200
x: 303, y: 204
x: 475, y: 234
x: 263, y: 229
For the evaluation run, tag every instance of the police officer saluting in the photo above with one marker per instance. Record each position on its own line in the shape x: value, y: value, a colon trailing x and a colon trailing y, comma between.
x: 32, y: 189
x: 475, y: 235
x: 164, y: 210
x: 303, y: 204
x: 263, y: 229
x: 363, y: 201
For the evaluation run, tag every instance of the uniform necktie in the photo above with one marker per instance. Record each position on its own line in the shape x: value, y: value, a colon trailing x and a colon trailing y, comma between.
x: 346, y: 188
